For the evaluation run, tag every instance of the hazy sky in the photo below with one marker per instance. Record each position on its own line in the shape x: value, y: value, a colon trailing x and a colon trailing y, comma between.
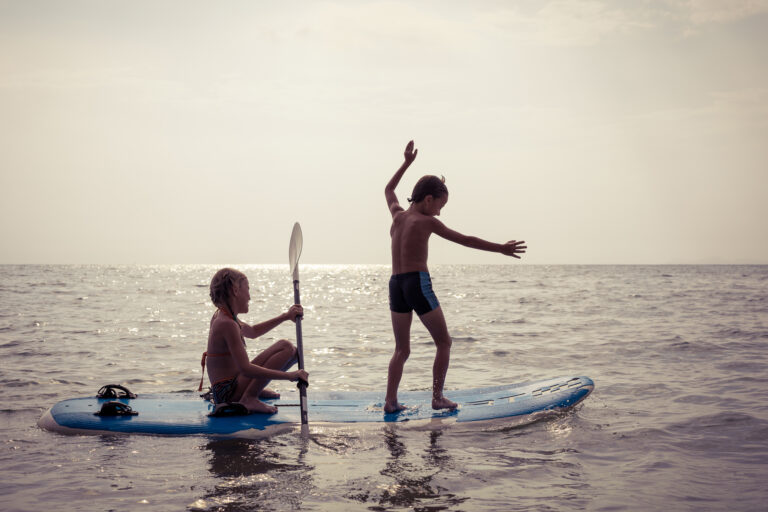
x: 199, y: 132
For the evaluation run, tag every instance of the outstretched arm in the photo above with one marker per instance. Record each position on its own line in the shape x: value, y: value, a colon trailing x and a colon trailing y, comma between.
x: 511, y: 248
x: 254, y: 331
x: 389, y: 190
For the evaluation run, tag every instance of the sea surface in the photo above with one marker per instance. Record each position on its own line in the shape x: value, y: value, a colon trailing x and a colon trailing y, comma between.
x: 678, y: 419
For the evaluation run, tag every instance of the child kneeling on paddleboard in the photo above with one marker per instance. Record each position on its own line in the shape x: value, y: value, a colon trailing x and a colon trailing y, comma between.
x: 235, y: 379
x: 410, y: 287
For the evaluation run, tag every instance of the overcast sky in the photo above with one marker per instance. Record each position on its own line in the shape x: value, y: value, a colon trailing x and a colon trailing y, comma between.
x: 199, y: 132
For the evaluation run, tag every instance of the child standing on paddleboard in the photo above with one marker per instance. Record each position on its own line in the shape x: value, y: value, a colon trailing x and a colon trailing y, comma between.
x: 410, y: 287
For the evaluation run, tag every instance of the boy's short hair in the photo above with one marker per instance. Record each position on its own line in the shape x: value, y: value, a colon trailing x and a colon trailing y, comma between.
x: 428, y: 186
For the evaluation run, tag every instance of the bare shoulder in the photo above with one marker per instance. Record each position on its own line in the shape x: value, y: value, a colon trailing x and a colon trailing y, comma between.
x: 434, y: 223
x: 395, y: 209
x: 221, y: 324
x: 437, y: 227
x: 418, y: 224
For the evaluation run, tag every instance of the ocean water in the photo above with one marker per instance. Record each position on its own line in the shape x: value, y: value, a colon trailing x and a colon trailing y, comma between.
x: 678, y: 419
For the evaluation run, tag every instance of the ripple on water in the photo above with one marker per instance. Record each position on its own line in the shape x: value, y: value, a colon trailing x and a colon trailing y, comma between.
x: 679, y: 409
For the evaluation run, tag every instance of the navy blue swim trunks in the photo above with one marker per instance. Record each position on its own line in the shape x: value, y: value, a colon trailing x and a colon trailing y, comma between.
x: 412, y: 291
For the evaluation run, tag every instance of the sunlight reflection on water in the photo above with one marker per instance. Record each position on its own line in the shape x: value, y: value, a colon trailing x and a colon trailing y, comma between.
x: 646, y: 335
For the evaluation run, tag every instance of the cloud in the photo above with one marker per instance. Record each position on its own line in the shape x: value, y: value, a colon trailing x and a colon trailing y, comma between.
x: 702, y: 12
x: 561, y: 23
x: 587, y: 23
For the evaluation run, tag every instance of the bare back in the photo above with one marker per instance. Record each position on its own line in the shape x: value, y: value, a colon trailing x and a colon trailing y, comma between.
x: 221, y: 363
x: 410, y: 234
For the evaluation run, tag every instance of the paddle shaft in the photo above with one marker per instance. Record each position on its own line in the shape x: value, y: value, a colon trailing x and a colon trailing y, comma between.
x: 300, y: 355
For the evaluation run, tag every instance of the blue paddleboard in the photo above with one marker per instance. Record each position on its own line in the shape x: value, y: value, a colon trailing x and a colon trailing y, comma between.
x: 180, y: 414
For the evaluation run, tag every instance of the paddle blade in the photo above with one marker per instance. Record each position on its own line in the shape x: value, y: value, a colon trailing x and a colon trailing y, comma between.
x: 294, y: 250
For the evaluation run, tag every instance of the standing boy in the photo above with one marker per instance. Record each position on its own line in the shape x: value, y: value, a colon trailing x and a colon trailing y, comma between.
x: 410, y: 287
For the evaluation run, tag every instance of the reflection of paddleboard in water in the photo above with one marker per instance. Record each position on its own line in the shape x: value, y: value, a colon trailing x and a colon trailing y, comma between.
x: 186, y: 414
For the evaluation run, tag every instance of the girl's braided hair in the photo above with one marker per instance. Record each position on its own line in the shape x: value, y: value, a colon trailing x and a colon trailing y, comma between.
x: 221, y: 286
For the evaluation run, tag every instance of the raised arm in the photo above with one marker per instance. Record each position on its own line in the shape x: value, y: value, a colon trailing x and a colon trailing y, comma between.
x: 511, y: 248
x: 389, y: 190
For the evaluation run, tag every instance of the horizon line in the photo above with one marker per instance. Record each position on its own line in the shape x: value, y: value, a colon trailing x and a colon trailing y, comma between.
x: 243, y: 264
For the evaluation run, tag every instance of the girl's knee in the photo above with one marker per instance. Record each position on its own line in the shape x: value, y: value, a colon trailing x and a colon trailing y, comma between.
x: 286, y: 345
x: 289, y: 354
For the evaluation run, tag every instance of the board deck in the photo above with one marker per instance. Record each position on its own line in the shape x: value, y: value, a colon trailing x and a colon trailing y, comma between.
x: 180, y: 414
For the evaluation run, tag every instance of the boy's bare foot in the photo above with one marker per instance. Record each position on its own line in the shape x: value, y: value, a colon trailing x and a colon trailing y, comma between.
x: 443, y: 403
x: 396, y: 407
x: 268, y: 393
x: 260, y: 407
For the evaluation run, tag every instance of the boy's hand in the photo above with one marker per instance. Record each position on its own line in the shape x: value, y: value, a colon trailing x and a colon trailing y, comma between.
x: 410, y: 153
x: 513, y: 248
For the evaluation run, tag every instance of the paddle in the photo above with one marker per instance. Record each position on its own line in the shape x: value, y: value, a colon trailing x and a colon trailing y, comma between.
x: 294, y: 251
